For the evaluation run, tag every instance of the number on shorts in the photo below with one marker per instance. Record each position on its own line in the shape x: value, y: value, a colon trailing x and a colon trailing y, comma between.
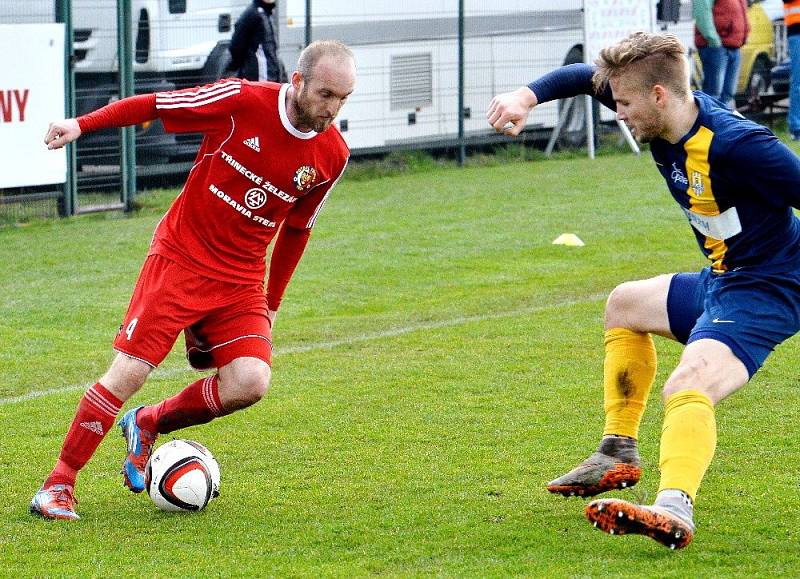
x: 131, y: 327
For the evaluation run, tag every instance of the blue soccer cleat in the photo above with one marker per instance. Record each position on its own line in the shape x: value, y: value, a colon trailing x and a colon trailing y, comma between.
x: 55, y: 502
x: 140, y: 446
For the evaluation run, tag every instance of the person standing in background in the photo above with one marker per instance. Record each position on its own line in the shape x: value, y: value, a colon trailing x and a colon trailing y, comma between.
x: 791, y: 17
x: 254, y: 45
x: 721, y: 28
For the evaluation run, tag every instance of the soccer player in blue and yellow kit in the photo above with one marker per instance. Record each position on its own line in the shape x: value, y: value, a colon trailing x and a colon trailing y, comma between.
x: 737, y: 185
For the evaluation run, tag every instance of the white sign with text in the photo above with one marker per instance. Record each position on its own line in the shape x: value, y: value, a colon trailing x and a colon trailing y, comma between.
x: 31, y: 95
x: 605, y: 22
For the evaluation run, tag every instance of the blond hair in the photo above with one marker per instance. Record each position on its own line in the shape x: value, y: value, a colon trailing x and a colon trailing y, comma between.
x: 653, y: 58
x: 315, y: 51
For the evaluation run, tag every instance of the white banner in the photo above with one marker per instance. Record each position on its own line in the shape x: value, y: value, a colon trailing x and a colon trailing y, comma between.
x: 31, y: 95
x: 605, y: 22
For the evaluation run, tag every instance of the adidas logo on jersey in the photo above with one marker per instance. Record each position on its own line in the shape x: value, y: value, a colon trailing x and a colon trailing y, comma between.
x: 253, y: 143
x: 95, y: 427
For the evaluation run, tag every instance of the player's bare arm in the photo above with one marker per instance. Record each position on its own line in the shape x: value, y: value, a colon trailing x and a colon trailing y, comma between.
x: 59, y: 133
x: 508, y: 112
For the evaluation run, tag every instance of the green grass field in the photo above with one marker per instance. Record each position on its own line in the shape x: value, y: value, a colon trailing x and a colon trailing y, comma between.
x: 437, y: 361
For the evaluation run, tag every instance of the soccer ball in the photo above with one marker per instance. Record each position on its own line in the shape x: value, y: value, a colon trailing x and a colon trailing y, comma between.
x: 182, y: 475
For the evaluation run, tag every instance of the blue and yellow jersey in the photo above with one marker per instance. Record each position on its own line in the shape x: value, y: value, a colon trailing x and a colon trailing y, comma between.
x: 734, y: 180
x: 736, y: 183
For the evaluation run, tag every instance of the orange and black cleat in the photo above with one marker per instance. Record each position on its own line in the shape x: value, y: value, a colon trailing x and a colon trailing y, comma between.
x: 617, y: 517
x: 597, y: 474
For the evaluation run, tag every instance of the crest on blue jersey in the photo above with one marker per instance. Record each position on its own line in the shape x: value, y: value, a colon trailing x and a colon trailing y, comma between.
x: 697, y: 183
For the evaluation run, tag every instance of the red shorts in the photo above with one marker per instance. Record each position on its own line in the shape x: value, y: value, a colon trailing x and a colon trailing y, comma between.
x: 221, y: 321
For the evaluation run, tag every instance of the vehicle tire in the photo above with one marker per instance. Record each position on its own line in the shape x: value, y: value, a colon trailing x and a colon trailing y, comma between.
x: 218, y: 64
x: 573, y: 133
x: 757, y: 85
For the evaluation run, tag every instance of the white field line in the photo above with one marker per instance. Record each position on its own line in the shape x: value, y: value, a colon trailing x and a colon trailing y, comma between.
x: 422, y: 326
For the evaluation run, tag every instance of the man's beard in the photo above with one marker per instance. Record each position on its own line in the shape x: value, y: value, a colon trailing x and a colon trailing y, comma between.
x: 643, y: 134
x: 648, y: 132
x: 306, y: 118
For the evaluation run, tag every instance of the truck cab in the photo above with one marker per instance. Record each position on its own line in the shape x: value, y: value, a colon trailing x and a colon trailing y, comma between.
x: 177, y: 44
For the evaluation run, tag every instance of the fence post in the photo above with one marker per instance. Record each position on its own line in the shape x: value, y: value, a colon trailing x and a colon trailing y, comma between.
x: 308, y: 22
x: 127, y: 161
x: 462, y: 150
x: 68, y: 202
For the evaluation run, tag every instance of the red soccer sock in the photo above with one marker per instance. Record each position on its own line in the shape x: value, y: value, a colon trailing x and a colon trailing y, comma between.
x: 94, y: 417
x: 198, y: 403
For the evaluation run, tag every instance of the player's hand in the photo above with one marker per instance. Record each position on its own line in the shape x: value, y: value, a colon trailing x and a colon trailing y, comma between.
x: 271, y: 315
x: 508, y: 112
x: 59, y: 133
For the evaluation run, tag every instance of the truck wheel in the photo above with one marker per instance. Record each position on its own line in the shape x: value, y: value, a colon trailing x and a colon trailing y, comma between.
x: 757, y: 85
x: 218, y: 63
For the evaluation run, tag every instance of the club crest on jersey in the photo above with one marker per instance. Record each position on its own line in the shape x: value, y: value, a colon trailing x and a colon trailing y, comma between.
x: 304, y: 177
x: 697, y: 183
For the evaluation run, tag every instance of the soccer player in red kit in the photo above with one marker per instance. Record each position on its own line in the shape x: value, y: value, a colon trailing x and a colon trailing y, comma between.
x: 268, y: 161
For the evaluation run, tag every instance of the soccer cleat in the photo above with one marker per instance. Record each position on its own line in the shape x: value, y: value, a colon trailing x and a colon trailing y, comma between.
x: 55, y: 502
x: 617, y: 517
x: 597, y: 474
x: 140, y: 446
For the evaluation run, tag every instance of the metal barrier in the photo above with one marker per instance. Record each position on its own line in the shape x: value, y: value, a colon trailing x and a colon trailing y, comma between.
x: 427, y: 71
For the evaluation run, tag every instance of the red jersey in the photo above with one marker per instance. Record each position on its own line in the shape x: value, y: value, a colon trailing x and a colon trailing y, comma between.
x: 253, y: 171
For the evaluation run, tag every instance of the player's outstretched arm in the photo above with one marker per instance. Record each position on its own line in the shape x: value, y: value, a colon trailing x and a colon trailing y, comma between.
x: 508, y: 112
x: 125, y: 112
x: 59, y: 133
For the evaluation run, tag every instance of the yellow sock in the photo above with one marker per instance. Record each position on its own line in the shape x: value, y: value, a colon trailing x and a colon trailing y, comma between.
x: 628, y: 373
x: 688, y: 441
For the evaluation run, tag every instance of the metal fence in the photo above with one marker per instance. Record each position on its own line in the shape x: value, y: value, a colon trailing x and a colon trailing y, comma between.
x: 426, y: 72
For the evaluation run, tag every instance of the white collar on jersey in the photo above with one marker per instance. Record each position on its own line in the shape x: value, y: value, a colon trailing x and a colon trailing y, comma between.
x: 285, y: 117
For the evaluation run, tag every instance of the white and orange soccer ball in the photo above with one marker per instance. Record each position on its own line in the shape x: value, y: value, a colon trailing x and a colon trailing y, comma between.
x: 182, y: 475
